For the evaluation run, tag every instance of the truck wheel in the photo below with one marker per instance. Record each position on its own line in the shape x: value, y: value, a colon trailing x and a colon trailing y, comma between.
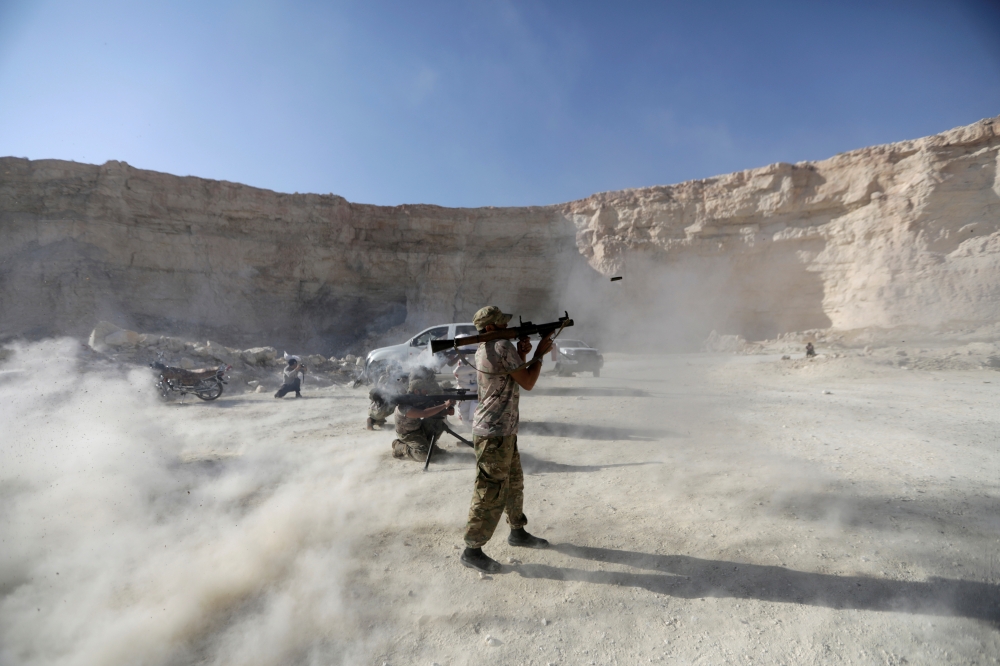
x: 597, y: 373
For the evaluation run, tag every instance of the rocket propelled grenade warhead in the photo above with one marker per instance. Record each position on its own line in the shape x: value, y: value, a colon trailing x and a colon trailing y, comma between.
x: 524, y: 330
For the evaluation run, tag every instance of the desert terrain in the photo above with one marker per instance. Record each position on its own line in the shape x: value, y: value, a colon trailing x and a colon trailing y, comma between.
x: 735, y: 505
x: 703, y: 509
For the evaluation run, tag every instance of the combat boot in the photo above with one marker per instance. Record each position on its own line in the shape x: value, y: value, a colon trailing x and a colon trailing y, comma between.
x: 520, y: 537
x: 475, y: 558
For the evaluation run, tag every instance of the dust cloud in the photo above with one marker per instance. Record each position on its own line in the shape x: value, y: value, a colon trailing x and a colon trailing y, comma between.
x: 656, y: 307
x: 135, y: 534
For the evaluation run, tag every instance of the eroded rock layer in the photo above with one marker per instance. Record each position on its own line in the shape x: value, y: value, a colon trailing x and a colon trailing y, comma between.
x: 154, y: 251
x: 901, y: 234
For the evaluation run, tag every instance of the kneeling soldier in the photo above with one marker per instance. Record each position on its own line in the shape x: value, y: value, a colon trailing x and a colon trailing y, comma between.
x: 417, y: 429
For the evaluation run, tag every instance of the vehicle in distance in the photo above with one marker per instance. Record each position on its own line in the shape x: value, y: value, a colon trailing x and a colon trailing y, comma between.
x: 576, y: 356
x: 416, y: 350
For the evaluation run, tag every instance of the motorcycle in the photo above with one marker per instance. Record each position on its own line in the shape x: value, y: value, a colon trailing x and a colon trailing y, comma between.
x: 205, y: 383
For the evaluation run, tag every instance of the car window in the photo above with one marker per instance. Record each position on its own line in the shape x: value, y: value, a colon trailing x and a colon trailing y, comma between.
x: 572, y: 343
x: 434, y: 334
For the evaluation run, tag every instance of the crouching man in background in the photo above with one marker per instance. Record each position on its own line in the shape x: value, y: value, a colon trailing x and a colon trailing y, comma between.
x: 417, y: 429
x: 501, y: 373
x: 292, y: 377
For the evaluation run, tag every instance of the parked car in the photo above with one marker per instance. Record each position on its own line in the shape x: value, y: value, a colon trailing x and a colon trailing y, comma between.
x: 415, y: 351
x: 576, y: 356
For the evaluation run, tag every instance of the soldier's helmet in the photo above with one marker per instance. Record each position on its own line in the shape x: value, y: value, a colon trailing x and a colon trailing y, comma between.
x: 421, y: 383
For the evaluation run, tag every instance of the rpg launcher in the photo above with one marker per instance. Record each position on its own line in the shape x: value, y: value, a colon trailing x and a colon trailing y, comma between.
x: 525, y: 329
x: 425, y: 401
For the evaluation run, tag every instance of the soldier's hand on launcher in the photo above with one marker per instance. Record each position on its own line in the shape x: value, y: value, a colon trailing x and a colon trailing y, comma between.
x: 544, y: 346
x: 523, y: 346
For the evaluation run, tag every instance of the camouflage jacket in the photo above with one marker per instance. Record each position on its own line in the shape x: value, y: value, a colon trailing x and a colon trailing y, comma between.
x: 496, y: 415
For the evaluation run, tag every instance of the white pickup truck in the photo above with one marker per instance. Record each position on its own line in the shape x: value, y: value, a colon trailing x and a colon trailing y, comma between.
x: 416, y: 350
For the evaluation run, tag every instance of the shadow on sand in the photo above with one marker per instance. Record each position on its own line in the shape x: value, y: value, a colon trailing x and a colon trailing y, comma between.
x: 691, y: 577
x: 585, y: 431
x: 532, y: 465
x: 586, y: 391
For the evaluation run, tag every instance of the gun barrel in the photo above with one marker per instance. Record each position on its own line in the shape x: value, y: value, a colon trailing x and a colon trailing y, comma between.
x: 500, y: 334
x: 413, y: 400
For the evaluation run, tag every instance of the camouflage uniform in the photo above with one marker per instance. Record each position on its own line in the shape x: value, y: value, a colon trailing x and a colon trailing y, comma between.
x: 499, y: 480
x: 380, y: 407
x: 414, y: 436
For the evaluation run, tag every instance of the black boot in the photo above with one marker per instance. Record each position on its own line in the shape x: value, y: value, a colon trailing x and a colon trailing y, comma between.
x: 520, y: 537
x: 475, y: 558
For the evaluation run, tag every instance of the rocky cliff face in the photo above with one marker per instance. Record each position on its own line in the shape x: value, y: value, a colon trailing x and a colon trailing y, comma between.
x: 902, y: 234
x: 157, y: 252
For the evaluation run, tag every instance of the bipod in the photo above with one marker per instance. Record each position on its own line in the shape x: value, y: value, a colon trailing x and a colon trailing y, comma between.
x: 458, y: 437
x: 430, y: 451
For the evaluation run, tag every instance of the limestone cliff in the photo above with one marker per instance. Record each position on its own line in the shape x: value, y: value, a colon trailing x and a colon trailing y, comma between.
x: 158, y: 252
x: 901, y: 234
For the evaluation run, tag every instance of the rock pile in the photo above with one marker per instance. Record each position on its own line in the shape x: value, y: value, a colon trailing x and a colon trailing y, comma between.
x: 130, y: 345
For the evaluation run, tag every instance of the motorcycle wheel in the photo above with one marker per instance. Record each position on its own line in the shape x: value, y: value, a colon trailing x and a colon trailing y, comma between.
x: 211, y: 393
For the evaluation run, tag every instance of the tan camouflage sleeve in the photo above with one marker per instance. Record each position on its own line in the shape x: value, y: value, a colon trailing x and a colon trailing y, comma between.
x: 510, y: 360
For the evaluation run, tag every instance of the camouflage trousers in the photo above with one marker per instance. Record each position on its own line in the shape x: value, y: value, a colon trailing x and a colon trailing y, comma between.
x: 414, y: 445
x: 499, y: 488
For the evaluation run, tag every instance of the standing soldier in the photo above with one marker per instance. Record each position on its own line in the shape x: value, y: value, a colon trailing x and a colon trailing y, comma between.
x: 499, y: 488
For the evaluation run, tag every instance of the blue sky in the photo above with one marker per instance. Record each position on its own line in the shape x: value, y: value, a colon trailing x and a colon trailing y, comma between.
x: 480, y: 103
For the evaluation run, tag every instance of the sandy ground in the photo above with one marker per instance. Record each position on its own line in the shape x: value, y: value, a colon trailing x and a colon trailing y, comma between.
x: 703, y: 509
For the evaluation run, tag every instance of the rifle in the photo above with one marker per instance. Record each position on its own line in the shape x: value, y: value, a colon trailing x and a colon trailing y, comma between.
x: 525, y: 329
x: 425, y: 401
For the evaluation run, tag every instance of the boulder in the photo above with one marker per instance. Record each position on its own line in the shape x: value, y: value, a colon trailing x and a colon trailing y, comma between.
x: 315, y: 360
x: 122, y: 338
x: 101, y: 331
x: 723, y: 343
x: 149, y: 340
x: 172, y: 344
x: 260, y: 356
x: 222, y: 353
